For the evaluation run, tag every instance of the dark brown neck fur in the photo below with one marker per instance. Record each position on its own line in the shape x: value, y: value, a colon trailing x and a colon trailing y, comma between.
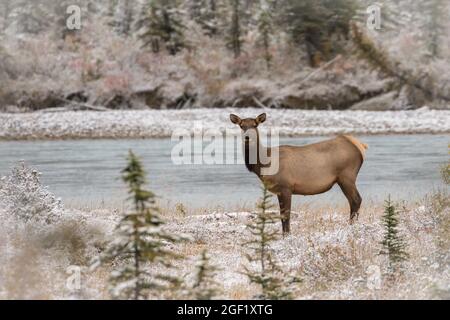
x: 254, y: 167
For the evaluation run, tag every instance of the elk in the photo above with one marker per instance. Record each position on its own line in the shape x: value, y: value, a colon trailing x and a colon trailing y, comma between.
x: 304, y: 170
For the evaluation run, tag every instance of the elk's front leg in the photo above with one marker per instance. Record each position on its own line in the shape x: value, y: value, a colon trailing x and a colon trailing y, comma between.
x: 284, y: 199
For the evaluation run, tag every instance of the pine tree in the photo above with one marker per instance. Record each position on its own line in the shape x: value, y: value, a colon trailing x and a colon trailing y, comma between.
x: 207, y: 14
x: 435, y: 25
x: 31, y: 17
x: 205, y: 287
x: 123, y: 19
x: 393, y: 244
x: 265, y: 30
x: 6, y: 7
x: 234, y: 36
x: 321, y: 26
x: 140, y: 242
x: 162, y: 23
x: 4, y: 66
x: 274, y: 282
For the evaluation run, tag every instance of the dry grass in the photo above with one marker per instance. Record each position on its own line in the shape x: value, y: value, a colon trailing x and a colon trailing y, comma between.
x: 334, y: 259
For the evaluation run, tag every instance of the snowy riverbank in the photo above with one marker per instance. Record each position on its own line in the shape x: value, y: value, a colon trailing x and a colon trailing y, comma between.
x: 161, y: 123
x: 45, y: 243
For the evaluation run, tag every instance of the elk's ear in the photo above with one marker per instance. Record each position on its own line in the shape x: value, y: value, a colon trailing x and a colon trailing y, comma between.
x: 235, y: 119
x: 261, y: 118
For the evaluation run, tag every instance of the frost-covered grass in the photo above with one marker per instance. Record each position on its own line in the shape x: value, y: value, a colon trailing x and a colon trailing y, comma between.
x: 161, y: 123
x: 335, y: 260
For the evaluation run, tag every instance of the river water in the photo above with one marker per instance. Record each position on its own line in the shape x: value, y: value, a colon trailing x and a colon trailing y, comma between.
x: 87, y: 172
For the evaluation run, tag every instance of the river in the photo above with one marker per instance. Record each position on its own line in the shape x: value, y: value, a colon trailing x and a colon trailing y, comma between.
x: 87, y: 172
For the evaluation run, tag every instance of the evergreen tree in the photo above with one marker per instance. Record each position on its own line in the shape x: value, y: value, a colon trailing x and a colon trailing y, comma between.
x: 31, y: 17
x: 234, y: 36
x: 435, y: 24
x: 274, y: 282
x: 140, y: 243
x: 207, y: 14
x: 205, y: 287
x: 319, y: 25
x: 3, y: 74
x: 393, y: 244
x: 108, y: 11
x: 162, y: 23
x: 6, y: 7
x: 265, y: 30
x: 124, y: 17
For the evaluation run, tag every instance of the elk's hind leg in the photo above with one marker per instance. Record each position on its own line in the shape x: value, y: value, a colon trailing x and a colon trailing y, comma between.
x: 284, y: 199
x: 350, y: 191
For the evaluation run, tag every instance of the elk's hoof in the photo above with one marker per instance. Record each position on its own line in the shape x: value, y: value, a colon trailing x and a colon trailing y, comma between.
x: 353, y: 217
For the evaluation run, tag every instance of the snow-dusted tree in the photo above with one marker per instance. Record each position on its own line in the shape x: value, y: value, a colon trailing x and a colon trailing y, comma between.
x: 436, y: 13
x: 123, y: 18
x: 394, y: 246
x: 140, y: 243
x: 262, y: 268
x: 265, y: 29
x: 3, y: 65
x: 319, y: 25
x: 234, y: 35
x: 205, y: 287
x: 207, y: 14
x: 161, y: 23
x: 31, y: 16
x: 6, y: 7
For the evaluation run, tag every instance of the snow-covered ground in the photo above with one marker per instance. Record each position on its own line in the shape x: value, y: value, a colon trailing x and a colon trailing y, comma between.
x: 43, y: 244
x: 162, y: 123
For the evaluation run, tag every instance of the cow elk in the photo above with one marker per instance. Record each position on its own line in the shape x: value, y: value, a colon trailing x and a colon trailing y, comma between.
x: 304, y: 170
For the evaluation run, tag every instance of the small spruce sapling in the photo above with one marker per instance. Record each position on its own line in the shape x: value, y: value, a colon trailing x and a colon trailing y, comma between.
x: 393, y: 245
x: 274, y: 282
x: 140, y: 243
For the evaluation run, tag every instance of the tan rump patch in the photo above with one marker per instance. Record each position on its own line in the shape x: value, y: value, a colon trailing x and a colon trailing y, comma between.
x: 362, y: 147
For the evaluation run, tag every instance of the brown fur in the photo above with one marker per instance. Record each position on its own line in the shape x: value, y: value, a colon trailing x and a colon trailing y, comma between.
x: 308, y: 170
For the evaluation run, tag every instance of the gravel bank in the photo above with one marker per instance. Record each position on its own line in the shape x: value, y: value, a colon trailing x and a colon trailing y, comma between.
x: 161, y: 123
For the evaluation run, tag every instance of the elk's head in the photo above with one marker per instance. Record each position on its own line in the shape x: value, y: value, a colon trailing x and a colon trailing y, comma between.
x: 249, y: 126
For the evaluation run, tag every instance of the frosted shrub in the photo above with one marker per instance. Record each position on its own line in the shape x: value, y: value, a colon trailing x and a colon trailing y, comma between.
x: 40, y: 239
x: 24, y: 197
